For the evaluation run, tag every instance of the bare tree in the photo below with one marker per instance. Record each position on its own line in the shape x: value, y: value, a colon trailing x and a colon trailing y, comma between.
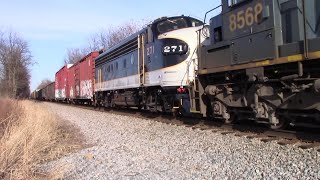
x: 44, y: 83
x: 104, y: 39
x: 111, y: 36
x: 75, y: 54
x: 23, y: 86
x: 1, y: 64
x: 15, y: 58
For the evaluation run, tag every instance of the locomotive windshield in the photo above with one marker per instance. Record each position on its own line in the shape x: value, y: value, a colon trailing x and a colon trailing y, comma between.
x: 171, y: 24
x: 175, y: 23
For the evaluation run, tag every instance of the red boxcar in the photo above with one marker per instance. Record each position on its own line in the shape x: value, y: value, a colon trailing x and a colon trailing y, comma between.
x: 86, y: 76
x: 81, y: 79
x: 61, y: 84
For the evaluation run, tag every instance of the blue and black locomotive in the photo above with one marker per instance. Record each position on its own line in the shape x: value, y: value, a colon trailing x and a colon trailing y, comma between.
x: 152, y: 68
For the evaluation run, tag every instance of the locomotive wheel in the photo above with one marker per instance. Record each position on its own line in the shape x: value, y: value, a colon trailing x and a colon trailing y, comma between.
x: 176, y: 113
x: 233, y: 118
x: 283, y: 123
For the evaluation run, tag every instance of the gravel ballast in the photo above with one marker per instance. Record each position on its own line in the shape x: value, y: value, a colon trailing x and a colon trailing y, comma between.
x: 125, y: 147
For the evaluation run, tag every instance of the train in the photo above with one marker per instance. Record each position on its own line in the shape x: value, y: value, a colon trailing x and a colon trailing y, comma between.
x: 256, y: 60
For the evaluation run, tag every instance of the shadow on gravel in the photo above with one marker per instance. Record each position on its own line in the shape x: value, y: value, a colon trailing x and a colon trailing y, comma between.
x: 123, y: 110
x: 245, y: 126
x: 300, y: 133
x: 310, y: 135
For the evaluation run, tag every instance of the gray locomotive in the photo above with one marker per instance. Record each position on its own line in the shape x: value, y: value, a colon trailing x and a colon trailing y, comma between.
x: 261, y: 62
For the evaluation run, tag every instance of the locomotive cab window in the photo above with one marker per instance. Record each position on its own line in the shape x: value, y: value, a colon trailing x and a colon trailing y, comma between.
x: 195, y: 23
x: 235, y: 2
x: 175, y: 23
x: 132, y: 59
x: 171, y: 24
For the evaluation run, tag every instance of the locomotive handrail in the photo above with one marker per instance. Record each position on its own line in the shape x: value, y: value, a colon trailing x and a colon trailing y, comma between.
x: 305, y: 42
x: 205, y: 16
x: 188, y: 65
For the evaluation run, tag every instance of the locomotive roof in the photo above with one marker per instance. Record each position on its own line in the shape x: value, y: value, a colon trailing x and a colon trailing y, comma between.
x: 135, y: 35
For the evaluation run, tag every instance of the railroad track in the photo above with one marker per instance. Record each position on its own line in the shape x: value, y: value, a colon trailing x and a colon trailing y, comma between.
x: 293, y: 136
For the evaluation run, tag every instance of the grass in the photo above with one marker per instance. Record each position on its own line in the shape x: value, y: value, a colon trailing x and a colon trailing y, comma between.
x: 29, y: 136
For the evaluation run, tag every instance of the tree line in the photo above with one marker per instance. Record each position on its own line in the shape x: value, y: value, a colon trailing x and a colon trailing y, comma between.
x: 15, y: 61
x: 101, y: 40
x: 16, y: 58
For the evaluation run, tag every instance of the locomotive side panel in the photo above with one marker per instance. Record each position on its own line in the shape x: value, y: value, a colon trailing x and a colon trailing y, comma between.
x: 121, y: 73
x: 243, y: 33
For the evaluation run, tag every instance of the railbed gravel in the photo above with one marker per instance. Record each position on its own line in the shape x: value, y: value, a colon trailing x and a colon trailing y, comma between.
x: 125, y: 147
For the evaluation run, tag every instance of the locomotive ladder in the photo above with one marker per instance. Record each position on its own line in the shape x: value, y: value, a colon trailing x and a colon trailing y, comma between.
x: 195, y: 90
x: 194, y: 86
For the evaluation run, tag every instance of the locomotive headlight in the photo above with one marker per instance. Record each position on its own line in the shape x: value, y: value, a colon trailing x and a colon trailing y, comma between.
x: 175, y: 48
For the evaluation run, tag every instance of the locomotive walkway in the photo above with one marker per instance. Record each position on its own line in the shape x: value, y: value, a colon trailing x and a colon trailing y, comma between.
x: 124, y: 147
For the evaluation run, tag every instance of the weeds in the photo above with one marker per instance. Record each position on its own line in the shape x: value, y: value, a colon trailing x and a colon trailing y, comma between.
x: 29, y: 136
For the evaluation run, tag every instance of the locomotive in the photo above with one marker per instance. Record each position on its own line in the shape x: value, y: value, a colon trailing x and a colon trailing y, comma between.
x: 261, y: 62
x: 150, y: 69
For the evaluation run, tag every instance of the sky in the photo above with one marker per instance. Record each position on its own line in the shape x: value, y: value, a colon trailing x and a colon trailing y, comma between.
x: 51, y: 27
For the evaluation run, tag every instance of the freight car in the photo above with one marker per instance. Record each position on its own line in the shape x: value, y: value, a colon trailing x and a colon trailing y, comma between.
x: 81, y: 80
x: 150, y: 69
x: 261, y: 62
x: 48, y: 92
x: 36, y: 94
x: 33, y: 95
x: 62, y: 84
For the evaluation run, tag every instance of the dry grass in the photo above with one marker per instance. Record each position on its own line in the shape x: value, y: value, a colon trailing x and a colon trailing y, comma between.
x: 29, y: 136
x: 8, y: 114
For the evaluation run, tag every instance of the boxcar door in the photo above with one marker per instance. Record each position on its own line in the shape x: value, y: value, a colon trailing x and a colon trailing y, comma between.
x: 77, y: 80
